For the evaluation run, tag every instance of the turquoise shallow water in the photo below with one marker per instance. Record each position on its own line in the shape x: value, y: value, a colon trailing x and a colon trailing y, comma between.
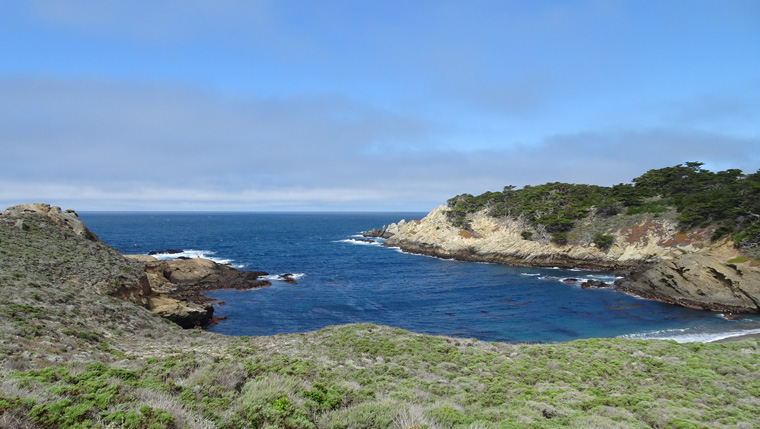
x: 345, y: 281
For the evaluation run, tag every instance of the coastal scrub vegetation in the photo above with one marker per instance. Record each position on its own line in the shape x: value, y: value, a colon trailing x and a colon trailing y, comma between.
x: 368, y: 376
x: 728, y: 200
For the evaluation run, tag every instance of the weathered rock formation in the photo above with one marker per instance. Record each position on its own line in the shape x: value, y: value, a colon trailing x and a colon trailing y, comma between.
x: 663, y: 263
x: 386, y: 231
x: 704, y: 280
x: 177, y: 286
x: 67, y: 220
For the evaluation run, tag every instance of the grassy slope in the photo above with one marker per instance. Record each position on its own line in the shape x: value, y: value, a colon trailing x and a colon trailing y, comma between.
x: 74, y: 358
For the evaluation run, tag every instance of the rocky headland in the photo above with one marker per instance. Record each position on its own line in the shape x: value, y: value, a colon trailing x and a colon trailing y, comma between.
x: 171, y: 289
x: 657, y: 258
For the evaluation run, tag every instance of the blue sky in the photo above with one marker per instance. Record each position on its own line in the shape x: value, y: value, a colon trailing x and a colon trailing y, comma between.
x: 373, y: 105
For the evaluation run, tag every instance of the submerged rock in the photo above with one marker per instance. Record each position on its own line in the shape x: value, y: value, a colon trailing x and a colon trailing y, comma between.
x: 164, y: 252
x: 594, y: 284
x: 287, y: 278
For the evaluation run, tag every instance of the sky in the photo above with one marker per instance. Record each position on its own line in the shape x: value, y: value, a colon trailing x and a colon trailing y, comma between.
x: 259, y: 105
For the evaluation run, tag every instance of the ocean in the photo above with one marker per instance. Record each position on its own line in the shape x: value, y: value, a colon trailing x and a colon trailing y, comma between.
x: 341, y: 280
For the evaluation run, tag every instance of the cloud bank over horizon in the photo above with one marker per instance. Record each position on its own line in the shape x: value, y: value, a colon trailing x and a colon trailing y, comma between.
x: 290, y: 106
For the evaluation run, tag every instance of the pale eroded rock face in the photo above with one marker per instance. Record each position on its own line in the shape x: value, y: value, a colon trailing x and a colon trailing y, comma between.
x: 68, y: 219
x: 499, y: 241
x: 669, y: 265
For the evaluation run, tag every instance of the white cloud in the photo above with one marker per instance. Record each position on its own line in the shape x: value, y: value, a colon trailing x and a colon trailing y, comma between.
x: 111, y: 145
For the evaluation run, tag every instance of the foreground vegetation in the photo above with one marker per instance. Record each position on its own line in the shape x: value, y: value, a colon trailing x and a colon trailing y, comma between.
x: 367, y: 376
x: 729, y: 200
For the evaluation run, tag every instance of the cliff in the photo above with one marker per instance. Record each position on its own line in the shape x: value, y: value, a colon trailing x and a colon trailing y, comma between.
x: 661, y: 261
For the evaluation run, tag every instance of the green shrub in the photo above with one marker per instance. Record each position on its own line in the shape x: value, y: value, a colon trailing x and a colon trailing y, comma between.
x: 559, y: 238
x: 449, y: 417
x: 603, y: 241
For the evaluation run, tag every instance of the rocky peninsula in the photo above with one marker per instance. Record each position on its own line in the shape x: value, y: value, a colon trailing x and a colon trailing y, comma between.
x: 657, y: 260
x: 663, y: 250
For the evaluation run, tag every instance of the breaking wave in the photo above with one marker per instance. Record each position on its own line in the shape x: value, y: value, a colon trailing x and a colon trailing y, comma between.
x: 192, y: 253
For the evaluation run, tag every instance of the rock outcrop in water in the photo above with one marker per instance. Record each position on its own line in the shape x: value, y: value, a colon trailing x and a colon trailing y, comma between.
x: 386, y: 231
x: 660, y: 261
x: 177, y: 285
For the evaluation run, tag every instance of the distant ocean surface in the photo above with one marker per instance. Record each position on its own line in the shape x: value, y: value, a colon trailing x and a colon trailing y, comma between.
x: 344, y: 281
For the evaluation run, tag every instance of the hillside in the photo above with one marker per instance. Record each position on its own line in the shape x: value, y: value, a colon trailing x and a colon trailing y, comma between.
x: 681, y: 234
x: 79, y: 348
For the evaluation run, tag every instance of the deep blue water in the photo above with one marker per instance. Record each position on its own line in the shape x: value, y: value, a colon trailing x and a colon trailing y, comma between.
x: 344, y: 281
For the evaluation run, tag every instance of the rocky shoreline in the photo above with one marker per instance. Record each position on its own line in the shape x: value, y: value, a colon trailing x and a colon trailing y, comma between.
x: 656, y: 259
x: 177, y: 287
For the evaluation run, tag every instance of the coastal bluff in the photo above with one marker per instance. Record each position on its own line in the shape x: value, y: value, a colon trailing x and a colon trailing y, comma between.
x: 56, y: 244
x: 657, y: 259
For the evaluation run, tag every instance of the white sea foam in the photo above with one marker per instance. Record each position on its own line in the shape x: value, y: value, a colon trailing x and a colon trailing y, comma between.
x: 530, y: 274
x: 192, y: 253
x: 279, y: 277
x: 602, y: 278
x: 689, y: 335
x: 361, y: 242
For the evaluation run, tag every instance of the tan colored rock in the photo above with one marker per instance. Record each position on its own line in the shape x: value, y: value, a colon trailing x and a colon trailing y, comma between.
x: 141, y: 258
x: 198, y: 274
x: 183, y: 313
x: 177, y: 285
x: 704, y: 280
x: 497, y: 241
x: 670, y: 265
x: 68, y: 219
